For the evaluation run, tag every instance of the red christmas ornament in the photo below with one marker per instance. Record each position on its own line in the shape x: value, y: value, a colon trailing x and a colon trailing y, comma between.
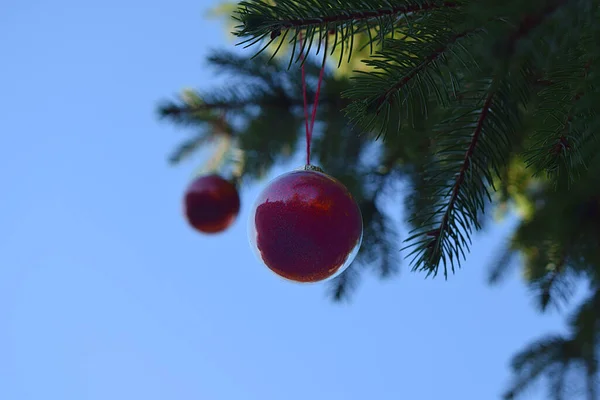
x: 306, y: 226
x: 211, y: 204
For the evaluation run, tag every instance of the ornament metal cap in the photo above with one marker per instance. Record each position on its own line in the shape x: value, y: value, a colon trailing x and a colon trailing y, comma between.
x: 309, y: 167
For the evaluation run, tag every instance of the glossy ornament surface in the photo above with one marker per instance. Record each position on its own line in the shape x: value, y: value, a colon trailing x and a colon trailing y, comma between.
x: 306, y: 226
x: 211, y: 204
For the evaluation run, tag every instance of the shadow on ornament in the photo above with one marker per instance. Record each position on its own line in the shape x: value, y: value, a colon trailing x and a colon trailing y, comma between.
x: 305, y: 226
x: 211, y: 204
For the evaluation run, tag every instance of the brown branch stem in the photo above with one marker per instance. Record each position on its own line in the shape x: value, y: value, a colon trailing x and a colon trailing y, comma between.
x: 465, y: 166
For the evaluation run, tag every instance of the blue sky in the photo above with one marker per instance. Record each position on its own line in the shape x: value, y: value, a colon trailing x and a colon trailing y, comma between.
x: 105, y: 293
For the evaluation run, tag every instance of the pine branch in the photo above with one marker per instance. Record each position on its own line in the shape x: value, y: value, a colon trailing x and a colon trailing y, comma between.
x: 340, y: 14
x: 550, y: 353
x: 174, y: 109
x: 187, y: 100
x: 406, y: 73
x: 236, y: 98
x: 530, y: 22
x: 585, y: 323
x: 550, y: 245
x: 547, y: 255
x: 556, y: 285
x: 262, y: 20
x: 447, y: 234
x: 437, y: 53
x: 261, y: 85
x: 560, y: 136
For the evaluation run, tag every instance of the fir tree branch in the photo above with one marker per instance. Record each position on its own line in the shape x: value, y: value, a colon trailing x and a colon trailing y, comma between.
x: 341, y: 13
x: 558, y: 139
x: 407, y: 73
x: 530, y: 22
x: 554, y: 283
x: 446, y: 235
x: 551, y: 353
x: 403, y: 74
x: 262, y: 20
x: 173, y: 109
x: 485, y: 109
x: 461, y: 179
x: 424, y: 64
x: 446, y: 231
x: 261, y: 85
x: 585, y: 321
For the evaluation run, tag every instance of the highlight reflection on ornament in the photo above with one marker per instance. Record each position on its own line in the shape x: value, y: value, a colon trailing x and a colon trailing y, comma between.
x: 306, y: 226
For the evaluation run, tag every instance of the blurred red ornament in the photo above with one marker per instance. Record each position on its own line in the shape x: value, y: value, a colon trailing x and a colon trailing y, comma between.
x: 211, y: 204
x: 306, y: 226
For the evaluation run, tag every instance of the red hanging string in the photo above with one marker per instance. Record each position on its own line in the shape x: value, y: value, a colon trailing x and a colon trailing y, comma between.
x: 309, y: 128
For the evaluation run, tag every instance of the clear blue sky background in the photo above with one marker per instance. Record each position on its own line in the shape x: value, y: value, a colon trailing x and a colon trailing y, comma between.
x: 105, y: 294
